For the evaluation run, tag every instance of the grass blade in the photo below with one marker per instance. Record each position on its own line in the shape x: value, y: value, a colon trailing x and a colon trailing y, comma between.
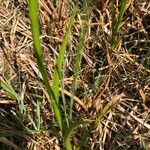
x: 33, y: 15
x: 77, y: 63
x: 8, y: 88
x: 116, y: 22
x: 57, y: 71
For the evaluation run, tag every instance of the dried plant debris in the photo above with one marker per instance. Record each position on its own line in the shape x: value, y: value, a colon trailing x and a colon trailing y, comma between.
x: 104, y: 74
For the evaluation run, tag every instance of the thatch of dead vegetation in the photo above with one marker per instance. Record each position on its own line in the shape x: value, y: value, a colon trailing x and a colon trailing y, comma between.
x: 117, y: 72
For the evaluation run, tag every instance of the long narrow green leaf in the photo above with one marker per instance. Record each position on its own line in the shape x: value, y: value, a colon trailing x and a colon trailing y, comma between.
x: 32, y: 122
x: 79, y: 52
x: 57, y: 72
x: 116, y: 22
x: 77, y: 63
x: 8, y: 88
x: 38, y: 113
x: 34, y: 19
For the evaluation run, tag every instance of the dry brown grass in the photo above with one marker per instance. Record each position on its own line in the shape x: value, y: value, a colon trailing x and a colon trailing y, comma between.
x: 105, y: 74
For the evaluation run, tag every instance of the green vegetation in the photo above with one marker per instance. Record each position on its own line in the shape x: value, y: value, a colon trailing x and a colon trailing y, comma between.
x: 78, y: 80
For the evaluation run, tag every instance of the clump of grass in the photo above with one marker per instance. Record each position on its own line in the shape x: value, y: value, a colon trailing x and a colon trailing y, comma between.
x: 97, y: 116
x: 53, y: 90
